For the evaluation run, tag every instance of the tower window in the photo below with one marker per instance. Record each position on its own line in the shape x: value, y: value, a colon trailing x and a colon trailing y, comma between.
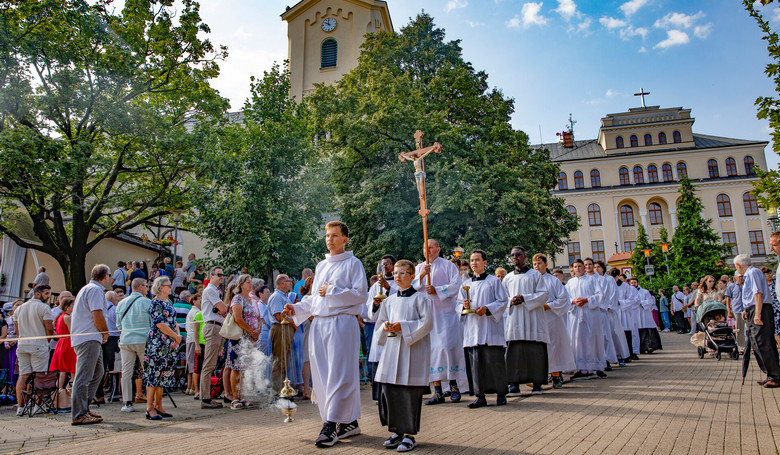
x: 329, y: 53
x: 619, y: 142
x: 634, y: 141
x: 676, y: 137
x: 662, y: 138
x: 648, y: 139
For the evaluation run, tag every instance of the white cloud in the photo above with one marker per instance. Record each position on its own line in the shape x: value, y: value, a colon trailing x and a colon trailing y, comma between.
x: 610, y: 93
x: 474, y: 24
x: 673, y: 38
x: 567, y: 9
x: 642, y: 50
x: 455, y: 4
x: 702, y: 31
x: 514, y: 22
x: 612, y: 23
x: 630, y: 31
x: 678, y: 20
x: 584, y: 26
x: 607, y: 96
x: 241, y: 33
x: 531, y: 14
x: 632, y: 6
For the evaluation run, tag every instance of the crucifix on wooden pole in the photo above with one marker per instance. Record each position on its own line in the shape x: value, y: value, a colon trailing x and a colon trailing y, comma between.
x: 416, y: 156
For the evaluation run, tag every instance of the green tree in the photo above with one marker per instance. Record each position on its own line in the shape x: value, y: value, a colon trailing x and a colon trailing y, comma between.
x: 486, y: 189
x: 263, y: 206
x: 93, y: 107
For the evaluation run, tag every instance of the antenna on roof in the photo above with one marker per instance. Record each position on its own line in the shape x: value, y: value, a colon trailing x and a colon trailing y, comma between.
x: 571, y: 124
x: 541, y: 141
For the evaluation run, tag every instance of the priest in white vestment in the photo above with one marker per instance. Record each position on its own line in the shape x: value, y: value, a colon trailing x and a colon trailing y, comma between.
x: 628, y: 300
x: 585, y: 323
x: 609, y: 346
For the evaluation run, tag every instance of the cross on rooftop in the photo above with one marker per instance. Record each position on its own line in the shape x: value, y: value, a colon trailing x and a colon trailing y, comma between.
x: 642, y: 94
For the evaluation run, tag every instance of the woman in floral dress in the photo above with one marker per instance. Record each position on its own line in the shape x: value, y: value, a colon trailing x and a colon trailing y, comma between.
x: 161, y: 346
x: 247, y: 317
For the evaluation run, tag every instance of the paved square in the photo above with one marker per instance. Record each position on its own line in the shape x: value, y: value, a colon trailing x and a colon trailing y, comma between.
x: 668, y: 402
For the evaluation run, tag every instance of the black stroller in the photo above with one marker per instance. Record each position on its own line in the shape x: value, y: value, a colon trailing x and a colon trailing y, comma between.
x: 718, y: 336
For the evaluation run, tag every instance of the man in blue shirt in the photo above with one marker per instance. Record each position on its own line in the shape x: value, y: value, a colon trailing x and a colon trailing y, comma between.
x: 733, y: 297
x: 132, y: 316
x: 760, y: 319
x: 282, y: 330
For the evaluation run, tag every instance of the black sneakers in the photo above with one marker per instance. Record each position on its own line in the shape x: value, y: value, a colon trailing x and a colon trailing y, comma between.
x: 437, y: 398
x: 345, y: 430
x: 327, y: 436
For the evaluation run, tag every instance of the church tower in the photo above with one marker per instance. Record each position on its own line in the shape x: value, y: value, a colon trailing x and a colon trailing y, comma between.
x: 324, y: 38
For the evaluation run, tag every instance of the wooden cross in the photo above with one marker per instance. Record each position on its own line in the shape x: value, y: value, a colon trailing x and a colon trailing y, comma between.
x: 642, y: 94
x: 417, y: 156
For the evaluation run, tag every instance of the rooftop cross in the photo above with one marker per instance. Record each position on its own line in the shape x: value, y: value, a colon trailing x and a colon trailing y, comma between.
x: 642, y: 94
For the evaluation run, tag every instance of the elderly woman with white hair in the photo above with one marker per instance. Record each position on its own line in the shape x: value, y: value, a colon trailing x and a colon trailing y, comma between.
x: 760, y: 320
x: 161, y: 346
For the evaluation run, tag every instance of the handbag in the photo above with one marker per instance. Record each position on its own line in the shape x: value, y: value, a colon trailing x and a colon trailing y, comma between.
x: 230, y: 329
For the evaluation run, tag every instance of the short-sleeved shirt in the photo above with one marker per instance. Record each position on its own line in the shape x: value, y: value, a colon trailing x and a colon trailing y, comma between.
x: 208, y: 303
x: 41, y: 278
x: 663, y: 305
x: 90, y: 298
x: 199, y: 318
x: 276, y: 305
x: 119, y: 278
x: 182, y: 309
x: 111, y: 320
x: 189, y: 324
x: 734, y: 292
x: 29, y: 319
x: 755, y: 283
x: 678, y: 298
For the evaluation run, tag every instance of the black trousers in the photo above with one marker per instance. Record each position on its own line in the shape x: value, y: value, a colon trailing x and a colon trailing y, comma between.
x: 630, y: 341
x: 762, y: 340
x: 110, y: 348
x: 682, y: 323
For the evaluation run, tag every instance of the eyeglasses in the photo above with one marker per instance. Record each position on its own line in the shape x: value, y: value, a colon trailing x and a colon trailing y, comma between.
x: 220, y: 275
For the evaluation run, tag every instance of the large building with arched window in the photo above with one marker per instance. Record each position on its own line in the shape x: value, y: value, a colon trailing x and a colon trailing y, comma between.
x: 636, y: 181
x: 325, y: 36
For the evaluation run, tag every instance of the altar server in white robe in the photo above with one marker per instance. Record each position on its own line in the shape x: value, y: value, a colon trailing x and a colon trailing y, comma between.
x: 585, y: 328
x: 609, y: 347
x: 483, y: 331
x: 559, y: 354
x: 628, y: 299
x: 615, y: 326
x: 649, y: 338
x: 388, y: 287
x: 525, y: 327
x: 448, y: 362
x: 337, y: 297
x: 404, y: 362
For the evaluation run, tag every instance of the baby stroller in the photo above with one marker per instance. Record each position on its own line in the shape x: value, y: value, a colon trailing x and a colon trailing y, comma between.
x: 717, y: 336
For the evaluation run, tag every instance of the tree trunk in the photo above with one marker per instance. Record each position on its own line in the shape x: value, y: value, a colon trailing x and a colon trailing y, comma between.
x: 269, y: 277
x: 73, y: 268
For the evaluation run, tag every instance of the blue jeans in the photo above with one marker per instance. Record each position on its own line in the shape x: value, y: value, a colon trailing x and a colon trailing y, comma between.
x: 667, y: 324
x: 365, y: 344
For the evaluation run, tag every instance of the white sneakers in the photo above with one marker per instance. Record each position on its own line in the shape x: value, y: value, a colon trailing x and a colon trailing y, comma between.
x: 128, y: 407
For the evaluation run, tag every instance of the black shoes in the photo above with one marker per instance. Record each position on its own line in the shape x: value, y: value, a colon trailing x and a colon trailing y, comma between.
x: 513, y: 388
x: 579, y: 375
x: 437, y: 398
x: 634, y: 357
x: 557, y: 382
x: 601, y: 374
x: 327, y: 436
x: 480, y: 402
x: 345, y: 430
x: 501, y: 400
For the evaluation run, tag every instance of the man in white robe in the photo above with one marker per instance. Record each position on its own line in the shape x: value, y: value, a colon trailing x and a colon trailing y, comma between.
x: 385, y: 283
x: 448, y: 362
x: 615, y: 326
x: 339, y: 292
x: 525, y: 326
x: 559, y: 354
x: 649, y: 338
x: 628, y: 300
x: 483, y: 332
x: 609, y: 346
x: 585, y: 329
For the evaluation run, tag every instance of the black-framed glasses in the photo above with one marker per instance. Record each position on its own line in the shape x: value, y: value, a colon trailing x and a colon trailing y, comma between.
x: 221, y: 275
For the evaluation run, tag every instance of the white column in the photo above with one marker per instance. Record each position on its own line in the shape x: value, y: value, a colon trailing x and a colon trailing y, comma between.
x: 673, y: 216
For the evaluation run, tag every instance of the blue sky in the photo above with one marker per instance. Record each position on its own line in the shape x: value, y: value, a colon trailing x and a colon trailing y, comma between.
x: 556, y: 57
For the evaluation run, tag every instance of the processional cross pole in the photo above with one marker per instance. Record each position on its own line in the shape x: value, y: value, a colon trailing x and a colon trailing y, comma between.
x: 416, y: 156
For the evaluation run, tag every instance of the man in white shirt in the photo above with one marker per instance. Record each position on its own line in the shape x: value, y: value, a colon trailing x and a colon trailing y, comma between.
x: 214, y: 312
x: 42, y: 278
x: 32, y: 319
x: 119, y: 278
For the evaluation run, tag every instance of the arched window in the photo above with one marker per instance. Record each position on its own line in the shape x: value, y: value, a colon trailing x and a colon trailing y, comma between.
x: 579, y: 182
x: 724, y: 205
x: 572, y: 210
x: 594, y: 215
x: 667, y: 170
x: 656, y: 214
x: 751, y: 205
x: 328, y: 53
x: 648, y: 139
x: 595, y: 178
x: 626, y: 216
x: 634, y: 141
x: 563, y: 183
x: 662, y: 138
x: 682, y: 170
x: 639, y: 176
x: 652, y: 174
x: 750, y: 165
x: 619, y: 142
x: 731, y: 167
x: 676, y: 137
x: 712, y: 167
x: 624, y: 176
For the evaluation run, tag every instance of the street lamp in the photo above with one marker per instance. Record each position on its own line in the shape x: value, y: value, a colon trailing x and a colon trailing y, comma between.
x: 457, y: 251
x: 771, y: 216
x: 649, y: 267
x: 665, y: 249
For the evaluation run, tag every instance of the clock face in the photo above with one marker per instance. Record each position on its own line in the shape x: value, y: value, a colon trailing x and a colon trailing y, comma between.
x: 329, y: 24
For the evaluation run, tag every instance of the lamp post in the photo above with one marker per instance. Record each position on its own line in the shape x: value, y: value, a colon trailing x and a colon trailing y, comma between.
x: 647, y: 256
x: 771, y: 216
x: 457, y: 251
x: 665, y: 249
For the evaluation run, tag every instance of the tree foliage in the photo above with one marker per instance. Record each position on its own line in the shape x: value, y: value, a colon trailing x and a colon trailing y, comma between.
x: 262, y: 206
x: 486, y: 189
x: 93, y: 106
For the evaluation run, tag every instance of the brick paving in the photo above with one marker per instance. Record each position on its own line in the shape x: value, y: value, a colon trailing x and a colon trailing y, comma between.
x: 668, y: 402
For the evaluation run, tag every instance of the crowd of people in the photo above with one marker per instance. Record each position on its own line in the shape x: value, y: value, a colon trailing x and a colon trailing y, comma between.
x: 449, y: 325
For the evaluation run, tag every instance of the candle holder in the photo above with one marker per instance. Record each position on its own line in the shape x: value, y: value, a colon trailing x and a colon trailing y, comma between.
x: 467, y: 310
x: 391, y: 334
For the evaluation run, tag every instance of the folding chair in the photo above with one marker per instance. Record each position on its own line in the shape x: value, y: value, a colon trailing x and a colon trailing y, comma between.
x: 40, y: 396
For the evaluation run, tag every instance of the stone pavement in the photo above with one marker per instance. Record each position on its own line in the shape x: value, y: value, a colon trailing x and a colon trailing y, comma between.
x: 668, y: 402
